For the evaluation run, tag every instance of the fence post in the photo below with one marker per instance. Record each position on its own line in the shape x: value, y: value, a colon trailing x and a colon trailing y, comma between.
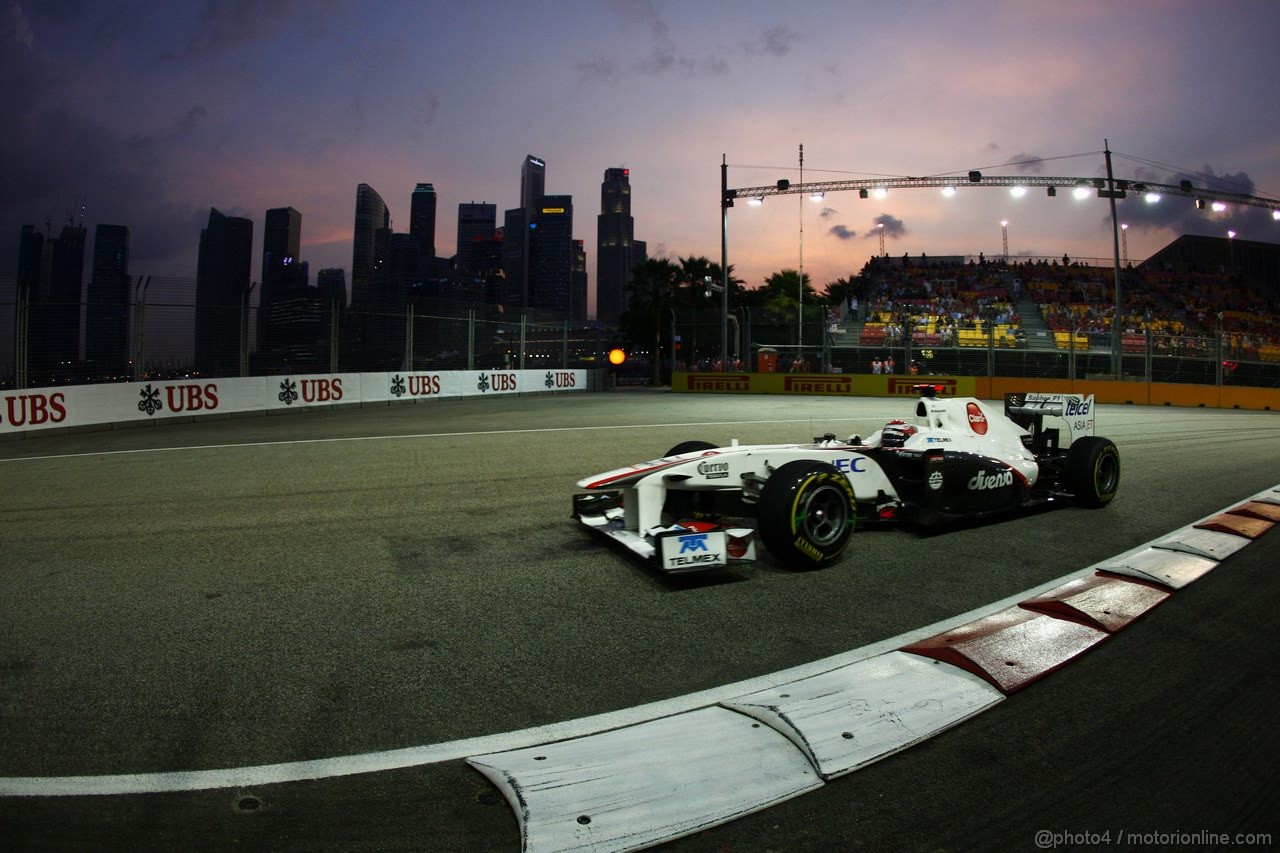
x: 471, y: 339
x: 139, y: 316
x: 244, y: 330
x: 524, y: 325
x: 1071, y: 355
x: 909, y: 339
x: 21, y: 330
x: 408, y: 335
x: 1146, y: 335
x: 1218, y: 368
x: 333, y: 335
x: 991, y: 349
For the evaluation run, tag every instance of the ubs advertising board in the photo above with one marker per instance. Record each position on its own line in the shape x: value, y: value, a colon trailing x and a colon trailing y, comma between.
x: 828, y: 384
x: 88, y: 405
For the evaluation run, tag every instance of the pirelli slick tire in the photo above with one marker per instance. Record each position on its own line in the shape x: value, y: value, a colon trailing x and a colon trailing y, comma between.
x: 1092, y: 473
x: 806, y: 514
x: 688, y: 447
x: 688, y: 505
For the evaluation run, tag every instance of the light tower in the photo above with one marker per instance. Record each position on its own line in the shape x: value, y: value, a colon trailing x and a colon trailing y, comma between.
x: 1004, y: 237
x: 880, y: 226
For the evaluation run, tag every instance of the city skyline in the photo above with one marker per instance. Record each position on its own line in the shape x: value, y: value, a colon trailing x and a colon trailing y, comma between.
x: 664, y: 90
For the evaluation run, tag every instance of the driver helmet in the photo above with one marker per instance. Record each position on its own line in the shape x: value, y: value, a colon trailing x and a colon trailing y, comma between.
x: 896, y: 433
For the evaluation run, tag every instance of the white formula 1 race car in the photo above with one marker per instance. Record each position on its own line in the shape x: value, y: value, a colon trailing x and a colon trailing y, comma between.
x: 701, y: 506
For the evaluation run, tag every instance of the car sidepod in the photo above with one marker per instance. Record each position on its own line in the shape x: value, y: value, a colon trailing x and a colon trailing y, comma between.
x: 940, y: 486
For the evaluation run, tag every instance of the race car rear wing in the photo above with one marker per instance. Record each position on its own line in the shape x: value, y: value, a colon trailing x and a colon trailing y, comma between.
x: 1072, y: 413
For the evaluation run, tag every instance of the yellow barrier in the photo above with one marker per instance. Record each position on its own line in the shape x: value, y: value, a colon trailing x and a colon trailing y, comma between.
x: 827, y: 384
x: 1140, y: 393
x: 898, y: 385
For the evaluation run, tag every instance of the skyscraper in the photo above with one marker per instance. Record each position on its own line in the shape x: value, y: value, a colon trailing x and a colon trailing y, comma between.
x: 578, y: 292
x: 222, y: 287
x: 422, y: 223
x: 551, y: 255
x: 54, y: 312
x: 106, y: 329
x: 533, y: 180
x: 518, y: 227
x: 281, y: 241
x: 616, y: 254
x: 372, y: 216
x: 50, y: 272
x: 476, y: 221
x: 486, y: 266
x: 30, y: 255
x: 333, y: 284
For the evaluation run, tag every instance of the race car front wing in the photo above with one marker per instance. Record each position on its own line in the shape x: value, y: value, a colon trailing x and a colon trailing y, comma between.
x: 683, y: 547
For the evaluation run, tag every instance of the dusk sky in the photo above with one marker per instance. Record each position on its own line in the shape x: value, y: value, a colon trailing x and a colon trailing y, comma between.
x: 149, y: 113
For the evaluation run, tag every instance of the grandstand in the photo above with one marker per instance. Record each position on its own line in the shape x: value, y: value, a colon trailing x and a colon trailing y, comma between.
x: 1174, y: 303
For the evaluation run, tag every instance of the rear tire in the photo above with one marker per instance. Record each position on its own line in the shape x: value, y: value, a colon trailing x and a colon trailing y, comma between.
x: 1092, y: 473
x: 806, y: 514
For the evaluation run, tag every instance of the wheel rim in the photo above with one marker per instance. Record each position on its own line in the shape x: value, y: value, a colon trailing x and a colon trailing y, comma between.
x: 823, y: 515
x: 1108, y: 472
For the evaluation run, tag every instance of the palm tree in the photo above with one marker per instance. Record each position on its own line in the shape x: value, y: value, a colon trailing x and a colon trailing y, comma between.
x: 694, y: 272
x: 839, y: 291
x: 695, y: 295
x: 652, y: 292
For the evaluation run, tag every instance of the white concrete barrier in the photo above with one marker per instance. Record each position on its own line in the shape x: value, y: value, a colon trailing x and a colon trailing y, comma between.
x: 87, y: 405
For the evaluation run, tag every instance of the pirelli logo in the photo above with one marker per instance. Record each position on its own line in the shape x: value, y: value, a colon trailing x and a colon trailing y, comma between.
x: 718, y: 382
x: 818, y: 385
x: 906, y: 386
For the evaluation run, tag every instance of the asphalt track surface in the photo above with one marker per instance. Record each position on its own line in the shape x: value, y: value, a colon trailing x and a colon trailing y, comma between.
x: 252, y: 591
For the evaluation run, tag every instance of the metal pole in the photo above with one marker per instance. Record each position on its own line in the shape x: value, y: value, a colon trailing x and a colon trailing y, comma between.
x: 139, y: 316
x: 408, y: 336
x: 524, y: 324
x: 1117, y: 332
x: 471, y: 339
x: 21, y: 326
x: 724, y: 257
x: 244, y: 330
x: 1071, y: 365
x: 564, y: 350
x: 991, y: 348
x: 673, y: 338
x: 333, y: 335
x: 1218, y: 367
x: 800, y: 285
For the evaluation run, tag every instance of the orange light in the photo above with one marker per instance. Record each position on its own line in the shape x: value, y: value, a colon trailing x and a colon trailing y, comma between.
x: 617, y: 356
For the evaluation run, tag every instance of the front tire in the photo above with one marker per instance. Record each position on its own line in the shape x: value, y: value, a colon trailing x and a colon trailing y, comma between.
x: 806, y: 514
x: 1092, y: 472
x: 688, y: 447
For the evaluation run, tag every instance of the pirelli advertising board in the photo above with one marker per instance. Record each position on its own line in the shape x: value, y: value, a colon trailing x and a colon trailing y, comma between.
x: 829, y: 384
